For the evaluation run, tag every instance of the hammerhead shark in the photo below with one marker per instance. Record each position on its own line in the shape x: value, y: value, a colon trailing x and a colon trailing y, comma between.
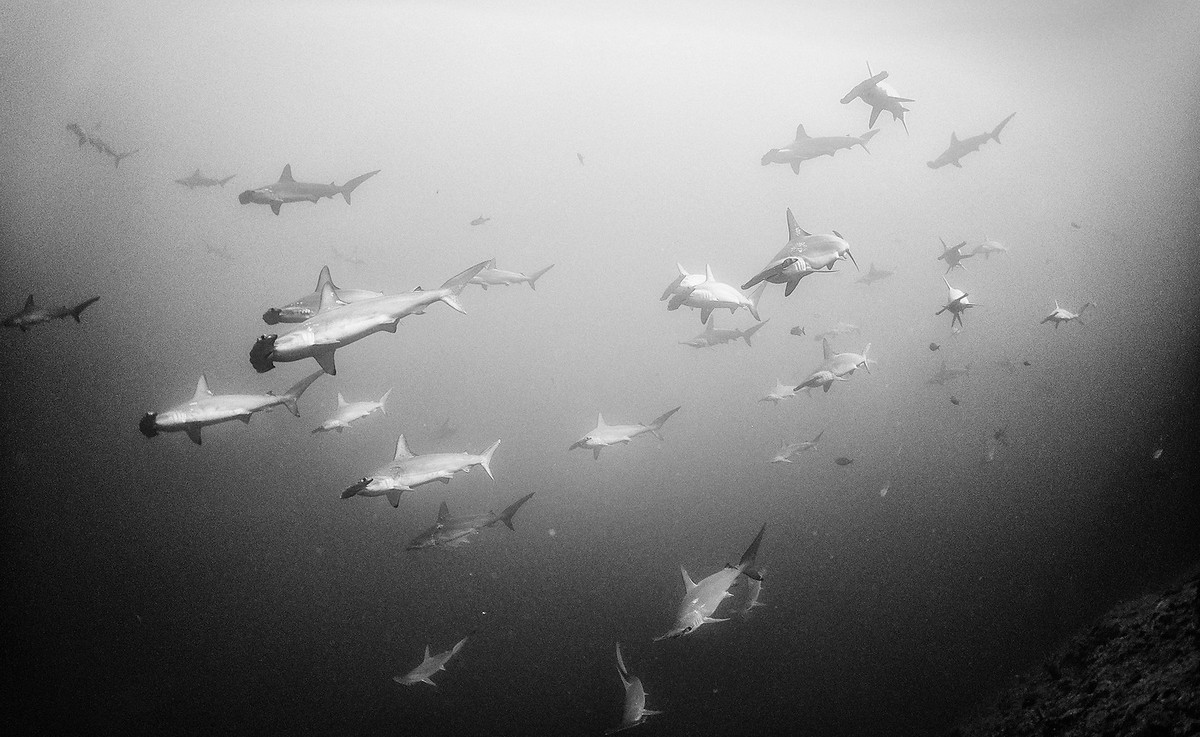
x: 804, y: 254
x: 713, y: 336
x: 493, y: 277
x: 307, y: 306
x: 31, y: 315
x: 604, y: 435
x: 711, y: 294
x: 953, y: 256
x: 682, y: 285
x: 779, y: 393
x: 480, y: 220
x: 842, y: 328
x: 957, y: 303
x: 409, y: 470
x: 196, y: 179
x: 959, y: 149
x: 949, y: 373
x: 873, y: 275
x: 879, y: 96
x: 700, y: 600
x: 451, y: 532
x: 288, y: 189
x: 987, y: 248
x: 98, y: 143
x: 1061, y: 315
x: 805, y: 147
x: 835, y: 367
x: 635, y: 698
x: 206, y: 408
x: 348, y: 412
x: 753, y: 594
x: 787, y: 450
x: 429, y: 666
x: 337, y: 325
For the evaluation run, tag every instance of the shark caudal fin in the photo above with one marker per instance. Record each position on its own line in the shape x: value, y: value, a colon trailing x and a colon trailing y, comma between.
x: 117, y: 157
x: 866, y: 363
x: 351, y: 185
x: 383, y: 401
x: 749, y: 333
x: 289, y: 398
x: 78, y: 309
x: 538, y: 275
x: 862, y: 140
x: 455, y: 284
x: 485, y: 459
x: 755, y: 296
x: 995, y: 134
x: 222, y: 182
x: 661, y: 420
x: 507, y: 515
x: 746, y: 564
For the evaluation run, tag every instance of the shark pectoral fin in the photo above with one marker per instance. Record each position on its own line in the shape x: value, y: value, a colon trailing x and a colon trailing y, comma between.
x: 326, y: 361
x: 194, y: 434
x: 246, y: 417
x: 651, y: 712
x: 712, y: 620
x: 426, y: 680
x: 275, y: 207
x: 393, y: 498
x: 596, y: 453
x: 796, y: 167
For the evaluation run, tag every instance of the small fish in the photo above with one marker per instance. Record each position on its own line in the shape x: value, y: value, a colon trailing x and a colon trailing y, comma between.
x: 1075, y: 225
x: 934, y: 346
x: 843, y: 461
x: 885, y: 490
x: 1157, y: 454
x: 1026, y: 363
x: 580, y: 157
x: 954, y: 400
x: 797, y: 330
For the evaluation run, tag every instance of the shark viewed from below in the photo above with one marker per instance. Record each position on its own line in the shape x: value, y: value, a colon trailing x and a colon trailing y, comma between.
x: 879, y: 96
x: 700, y: 600
x: 31, y: 314
x: 958, y: 149
x: 337, y: 325
x: 408, y: 470
x: 430, y: 665
x: 288, y: 190
x: 873, y: 275
x: 956, y: 304
x: 713, y: 336
x: 805, y: 147
x: 348, y: 412
x: 196, y: 179
x: 635, y: 711
x: 605, y: 435
x: 1061, y: 315
x: 953, y: 256
x: 803, y: 254
x: 308, y: 305
x: 835, y: 367
x: 451, y: 532
x: 206, y: 408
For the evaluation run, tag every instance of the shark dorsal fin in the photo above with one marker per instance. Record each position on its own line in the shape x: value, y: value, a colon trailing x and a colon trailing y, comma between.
x: 427, y: 652
x: 794, y: 230
x: 402, y: 451
x: 443, y: 512
x: 600, y: 420
x: 953, y: 138
x: 324, y: 278
x: 286, y: 176
x: 800, y: 132
x: 341, y: 401
x: 28, y: 303
x: 202, y: 390
x: 825, y: 348
x: 682, y: 271
x: 329, y: 298
x: 687, y: 580
x: 708, y: 276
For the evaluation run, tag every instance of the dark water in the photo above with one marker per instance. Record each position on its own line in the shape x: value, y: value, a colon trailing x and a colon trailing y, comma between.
x: 152, y: 586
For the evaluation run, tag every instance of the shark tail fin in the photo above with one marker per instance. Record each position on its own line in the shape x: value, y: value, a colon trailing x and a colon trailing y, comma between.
x: 117, y: 157
x: 226, y: 179
x: 459, y: 645
x: 746, y: 564
x: 351, y: 185
x: 289, y: 398
x: 659, y: 421
x: 755, y: 296
x: 507, y: 515
x: 749, y: 333
x: 866, y: 362
x: 383, y: 401
x: 78, y: 309
x: 538, y: 275
x: 458, y: 282
x: 867, y: 137
x: 995, y: 134
x: 485, y: 459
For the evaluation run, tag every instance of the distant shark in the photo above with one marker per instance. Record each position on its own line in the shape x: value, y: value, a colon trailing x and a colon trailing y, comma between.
x: 835, y: 367
x: 953, y: 256
x: 206, y: 408
x: 196, y: 179
x: 787, y: 450
x: 880, y: 97
x: 1061, y: 315
x: 700, y: 600
x: 712, y: 336
x: 493, y: 277
x: 98, y: 143
x: 605, y: 435
x: 348, y: 412
x: 805, y: 147
x: 445, y: 431
x: 31, y: 315
x: 873, y: 275
x: 451, y: 532
x: 956, y: 304
x: 949, y: 373
x: 987, y: 248
x: 409, y: 470
x: 429, y: 666
x: 222, y: 252
x: 288, y: 190
x: 842, y: 328
x: 337, y: 325
x: 779, y: 393
x: 307, y: 306
x: 959, y: 149
x: 480, y: 220
x: 346, y: 257
x: 711, y: 294
x: 635, y: 699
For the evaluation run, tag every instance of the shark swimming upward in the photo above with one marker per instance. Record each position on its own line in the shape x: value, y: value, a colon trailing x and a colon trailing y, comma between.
x: 605, y: 435
x: 337, y: 325
x: 288, y: 190
x: 958, y: 149
x: 700, y: 600
x: 805, y: 147
x: 31, y: 315
x: 451, y: 532
x: 308, y: 305
x: 956, y: 304
x: 879, y: 96
x: 409, y: 470
x: 430, y: 665
x: 635, y: 711
x: 348, y: 412
x: 206, y: 408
